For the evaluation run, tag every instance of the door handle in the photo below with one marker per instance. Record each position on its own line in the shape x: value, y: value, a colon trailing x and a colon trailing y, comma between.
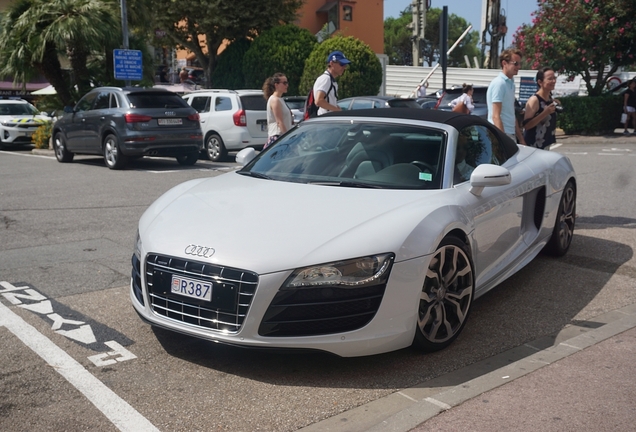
x: 102, y: 118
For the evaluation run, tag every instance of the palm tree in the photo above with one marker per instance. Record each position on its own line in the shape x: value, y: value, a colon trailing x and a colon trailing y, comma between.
x: 80, y: 27
x: 17, y: 45
x: 35, y: 32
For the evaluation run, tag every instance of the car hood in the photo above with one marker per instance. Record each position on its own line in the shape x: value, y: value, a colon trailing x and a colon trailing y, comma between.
x: 267, y: 226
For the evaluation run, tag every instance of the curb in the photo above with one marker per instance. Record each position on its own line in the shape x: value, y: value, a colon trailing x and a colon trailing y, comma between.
x: 406, y: 409
x: 43, y: 152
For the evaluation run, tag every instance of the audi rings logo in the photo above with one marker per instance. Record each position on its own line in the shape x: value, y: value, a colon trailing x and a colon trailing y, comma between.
x: 170, y: 113
x: 200, y: 251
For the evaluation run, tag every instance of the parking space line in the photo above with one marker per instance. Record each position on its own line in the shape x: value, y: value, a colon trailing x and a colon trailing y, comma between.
x: 117, y: 410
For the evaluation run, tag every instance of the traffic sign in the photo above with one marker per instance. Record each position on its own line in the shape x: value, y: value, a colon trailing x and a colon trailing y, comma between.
x: 128, y: 64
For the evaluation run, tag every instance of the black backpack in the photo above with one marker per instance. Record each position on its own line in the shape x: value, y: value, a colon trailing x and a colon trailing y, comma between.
x: 311, y: 109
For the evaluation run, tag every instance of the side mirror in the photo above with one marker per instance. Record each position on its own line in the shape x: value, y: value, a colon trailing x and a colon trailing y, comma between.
x: 245, y: 156
x: 487, y: 175
x: 68, y: 109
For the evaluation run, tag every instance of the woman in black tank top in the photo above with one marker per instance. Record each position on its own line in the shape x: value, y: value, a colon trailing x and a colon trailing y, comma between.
x: 539, y: 120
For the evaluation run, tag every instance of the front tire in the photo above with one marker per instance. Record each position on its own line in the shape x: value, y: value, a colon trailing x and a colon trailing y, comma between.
x: 446, y: 297
x: 113, y: 157
x: 559, y: 243
x: 61, y: 153
x: 189, y: 159
x: 214, y: 148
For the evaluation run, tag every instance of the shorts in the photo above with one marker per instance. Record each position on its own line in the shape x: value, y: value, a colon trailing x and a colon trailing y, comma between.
x: 630, y: 109
x: 270, y: 140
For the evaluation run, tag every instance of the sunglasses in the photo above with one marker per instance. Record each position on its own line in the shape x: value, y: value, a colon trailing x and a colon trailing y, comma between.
x: 515, y: 63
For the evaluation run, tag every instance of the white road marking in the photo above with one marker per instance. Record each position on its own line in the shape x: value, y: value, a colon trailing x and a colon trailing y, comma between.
x: 119, y: 352
x: 117, y: 410
x: 440, y: 404
x: 407, y: 396
x: 553, y: 146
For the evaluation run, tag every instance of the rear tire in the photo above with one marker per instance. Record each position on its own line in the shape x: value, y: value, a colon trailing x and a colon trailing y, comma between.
x: 189, y: 159
x: 113, y: 157
x: 214, y: 148
x: 61, y: 153
x: 446, y: 296
x: 559, y: 243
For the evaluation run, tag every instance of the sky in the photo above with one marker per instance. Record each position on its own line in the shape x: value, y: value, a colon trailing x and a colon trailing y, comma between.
x: 517, y: 12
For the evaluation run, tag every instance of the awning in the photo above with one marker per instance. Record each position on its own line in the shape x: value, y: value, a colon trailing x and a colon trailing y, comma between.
x: 49, y: 90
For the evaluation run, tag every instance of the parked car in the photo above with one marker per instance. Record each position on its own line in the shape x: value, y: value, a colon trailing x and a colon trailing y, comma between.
x: 297, y: 106
x: 18, y: 120
x: 196, y: 75
x: 479, y: 100
x: 375, y: 242
x: 230, y: 120
x: 362, y: 102
x: 427, y: 102
x: 124, y: 123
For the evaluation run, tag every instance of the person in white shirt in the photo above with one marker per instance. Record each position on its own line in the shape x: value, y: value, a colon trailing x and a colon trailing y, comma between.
x: 466, y: 98
x: 326, y: 87
x: 420, y: 91
x: 279, y: 116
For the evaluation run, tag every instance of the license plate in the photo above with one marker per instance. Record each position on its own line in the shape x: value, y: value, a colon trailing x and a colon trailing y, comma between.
x: 263, y: 128
x: 27, y: 134
x: 169, y: 121
x: 191, y: 288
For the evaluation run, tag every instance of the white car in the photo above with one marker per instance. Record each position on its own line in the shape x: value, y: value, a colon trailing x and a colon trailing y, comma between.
x: 230, y: 120
x: 357, y: 233
x: 18, y: 120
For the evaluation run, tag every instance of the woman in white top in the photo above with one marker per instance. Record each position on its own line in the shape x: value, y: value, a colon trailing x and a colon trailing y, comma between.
x: 466, y: 98
x: 279, y: 116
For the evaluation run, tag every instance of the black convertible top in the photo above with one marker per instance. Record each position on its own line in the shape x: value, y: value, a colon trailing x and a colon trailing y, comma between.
x: 456, y: 120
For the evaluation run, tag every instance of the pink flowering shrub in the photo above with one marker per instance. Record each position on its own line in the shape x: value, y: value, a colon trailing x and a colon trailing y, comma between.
x: 581, y: 37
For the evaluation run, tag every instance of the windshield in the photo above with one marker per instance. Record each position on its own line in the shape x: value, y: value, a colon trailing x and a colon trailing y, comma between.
x: 355, y: 154
x: 18, y: 109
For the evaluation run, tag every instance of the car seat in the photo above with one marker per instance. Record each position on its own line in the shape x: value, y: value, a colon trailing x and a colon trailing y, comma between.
x: 366, y: 158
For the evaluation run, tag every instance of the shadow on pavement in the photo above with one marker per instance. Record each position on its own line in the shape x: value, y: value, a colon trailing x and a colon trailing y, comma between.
x: 535, y: 304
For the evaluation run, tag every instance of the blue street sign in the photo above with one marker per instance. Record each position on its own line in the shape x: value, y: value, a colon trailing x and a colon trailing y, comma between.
x: 128, y: 64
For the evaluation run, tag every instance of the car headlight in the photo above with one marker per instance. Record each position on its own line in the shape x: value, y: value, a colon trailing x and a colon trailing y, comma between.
x: 370, y: 270
x: 138, y: 246
x: 8, y: 124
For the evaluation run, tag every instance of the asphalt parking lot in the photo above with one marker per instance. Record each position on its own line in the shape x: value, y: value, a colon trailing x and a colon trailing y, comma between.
x: 68, y: 234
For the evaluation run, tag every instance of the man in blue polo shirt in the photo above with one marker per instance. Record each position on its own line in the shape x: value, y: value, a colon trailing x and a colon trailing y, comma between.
x: 501, y: 96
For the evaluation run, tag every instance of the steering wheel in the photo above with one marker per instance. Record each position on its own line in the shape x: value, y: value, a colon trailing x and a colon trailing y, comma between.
x: 423, y: 166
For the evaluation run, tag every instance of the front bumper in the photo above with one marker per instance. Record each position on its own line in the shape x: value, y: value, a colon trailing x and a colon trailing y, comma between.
x: 391, y: 327
x: 17, y: 135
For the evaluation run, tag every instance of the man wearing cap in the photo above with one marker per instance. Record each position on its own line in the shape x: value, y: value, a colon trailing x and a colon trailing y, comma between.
x: 326, y: 87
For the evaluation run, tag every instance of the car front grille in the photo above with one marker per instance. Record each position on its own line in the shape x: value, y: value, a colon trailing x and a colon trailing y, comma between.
x: 232, y: 293
x: 321, y: 310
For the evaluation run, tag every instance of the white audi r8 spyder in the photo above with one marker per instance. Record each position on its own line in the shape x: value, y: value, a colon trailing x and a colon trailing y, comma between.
x: 356, y: 233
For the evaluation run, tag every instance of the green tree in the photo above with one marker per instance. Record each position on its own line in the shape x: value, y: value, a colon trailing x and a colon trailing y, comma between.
x: 363, y: 76
x: 588, y: 37
x: 18, y: 43
x: 71, y: 25
x: 228, y: 73
x: 397, y: 38
x: 280, y: 49
x: 201, y: 26
x: 456, y: 26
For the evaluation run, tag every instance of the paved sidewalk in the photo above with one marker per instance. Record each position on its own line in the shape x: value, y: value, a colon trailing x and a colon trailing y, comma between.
x: 584, y: 380
x: 592, y: 390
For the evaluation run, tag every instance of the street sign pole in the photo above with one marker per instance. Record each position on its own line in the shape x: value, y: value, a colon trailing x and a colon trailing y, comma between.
x: 124, y: 29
